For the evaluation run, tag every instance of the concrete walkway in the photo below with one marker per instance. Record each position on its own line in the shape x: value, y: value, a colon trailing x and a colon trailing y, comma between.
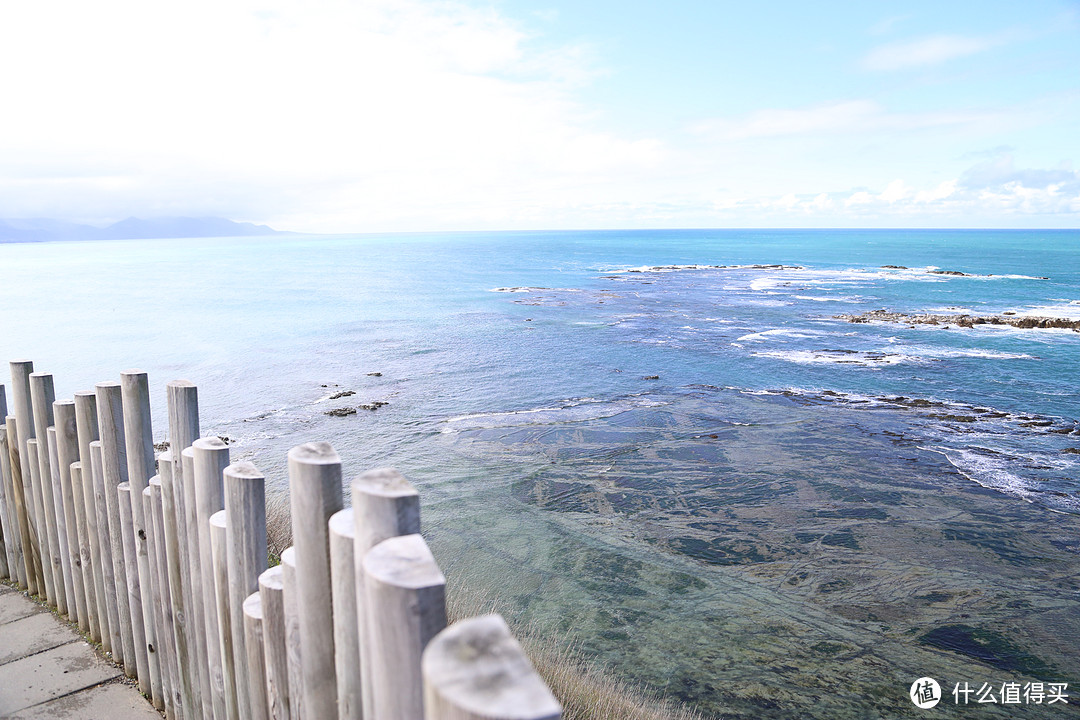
x: 48, y: 671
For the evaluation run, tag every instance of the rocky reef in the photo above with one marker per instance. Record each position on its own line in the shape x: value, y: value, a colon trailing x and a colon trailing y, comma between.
x: 963, y: 320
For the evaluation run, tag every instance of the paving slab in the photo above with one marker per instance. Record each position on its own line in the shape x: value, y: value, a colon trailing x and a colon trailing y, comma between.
x: 115, y: 701
x: 47, y: 670
x: 31, y: 635
x: 51, y: 674
x: 15, y: 606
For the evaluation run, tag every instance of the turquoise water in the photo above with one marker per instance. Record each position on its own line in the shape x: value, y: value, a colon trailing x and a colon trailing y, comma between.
x: 699, y: 473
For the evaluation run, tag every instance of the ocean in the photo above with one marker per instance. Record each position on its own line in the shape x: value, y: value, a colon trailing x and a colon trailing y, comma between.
x: 674, y: 448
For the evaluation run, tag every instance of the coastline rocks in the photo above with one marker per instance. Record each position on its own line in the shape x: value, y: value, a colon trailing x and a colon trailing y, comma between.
x: 343, y: 393
x: 964, y: 320
x: 345, y: 411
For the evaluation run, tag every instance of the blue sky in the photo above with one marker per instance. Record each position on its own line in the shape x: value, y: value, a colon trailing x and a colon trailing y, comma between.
x: 385, y: 115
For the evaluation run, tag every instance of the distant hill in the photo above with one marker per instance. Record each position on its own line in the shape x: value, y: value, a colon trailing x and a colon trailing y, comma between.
x: 43, y: 230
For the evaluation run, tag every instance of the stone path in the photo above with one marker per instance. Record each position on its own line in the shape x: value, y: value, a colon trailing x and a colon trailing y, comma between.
x: 48, y: 671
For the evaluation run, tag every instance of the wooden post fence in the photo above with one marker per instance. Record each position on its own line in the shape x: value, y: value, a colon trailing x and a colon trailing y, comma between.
x: 165, y: 561
x: 276, y: 658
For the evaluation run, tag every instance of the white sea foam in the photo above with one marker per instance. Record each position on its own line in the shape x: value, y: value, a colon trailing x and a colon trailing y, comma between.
x: 826, y: 357
x: 574, y: 410
x: 993, y: 473
x: 1069, y: 310
x: 839, y: 298
x: 528, y: 289
x: 781, y: 332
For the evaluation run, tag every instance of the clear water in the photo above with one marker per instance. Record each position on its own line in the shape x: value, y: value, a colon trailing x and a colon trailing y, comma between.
x: 701, y: 474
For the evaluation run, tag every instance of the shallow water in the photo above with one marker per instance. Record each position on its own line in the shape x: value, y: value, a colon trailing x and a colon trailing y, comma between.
x: 699, y: 473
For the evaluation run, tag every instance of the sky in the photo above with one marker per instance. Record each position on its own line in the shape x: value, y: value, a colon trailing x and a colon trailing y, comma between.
x: 408, y: 115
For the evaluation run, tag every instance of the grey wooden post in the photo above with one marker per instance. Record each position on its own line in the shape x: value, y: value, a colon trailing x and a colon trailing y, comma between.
x: 476, y: 670
x: 183, y: 410
x: 294, y: 648
x: 15, y: 510
x: 385, y: 505
x: 67, y: 452
x: 271, y: 592
x: 14, y: 469
x: 113, y: 472
x: 131, y: 576
x: 166, y: 647
x: 405, y: 594
x: 256, y: 667
x: 219, y: 522
x: 87, y: 431
x: 24, y: 430
x: 107, y: 574
x: 47, y: 588
x: 315, y: 492
x: 211, y: 457
x: 346, y: 636
x: 198, y: 594
x: 245, y: 507
x: 41, y: 400
x: 6, y: 518
x: 186, y: 677
x: 61, y: 444
x: 138, y: 433
x: 89, y: 606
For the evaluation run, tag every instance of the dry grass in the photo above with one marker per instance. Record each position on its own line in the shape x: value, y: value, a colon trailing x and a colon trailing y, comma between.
x: 278, y: 525
x: 586, y: 691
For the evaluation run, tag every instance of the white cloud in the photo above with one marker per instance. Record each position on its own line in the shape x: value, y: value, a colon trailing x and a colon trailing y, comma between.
x: 1013, y: 195
x: 850, y: 116
x: 317, y: 115
x: 932, y: 50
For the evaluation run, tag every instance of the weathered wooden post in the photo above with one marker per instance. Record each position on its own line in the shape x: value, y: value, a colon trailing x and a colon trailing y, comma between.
x: 245, y: 508
x: 7, y: 539
x: 211, y: 457
x: 87, y: 431
x: 11, y: 520
x: 183, y: 409
x: 18, y: 573
x: 385, y: 505
x: 60, y: 513
x: 89, y: 605
x: 162, y: 603
x: 24, y: 430
x: 114, y: 472
x: 131, y: 574
x: 135, y: 393
x: 219, y: 522
x: 475, y: 670
x: 346, y: 637
x: 256, y: 667
x: 41, y: 401
x: 199, y: 620
x: 293, y: 647
x: 43, y: 524
x: 315, y: 492
x: 11, y: 444
x: 106, y: 566
x: 405, y: 594
x: 271, y: 592
x: 186, y: 677
x: 67, y: 452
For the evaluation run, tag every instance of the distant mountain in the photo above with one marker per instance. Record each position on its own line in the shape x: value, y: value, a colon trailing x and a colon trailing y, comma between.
x: 43, y: 230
